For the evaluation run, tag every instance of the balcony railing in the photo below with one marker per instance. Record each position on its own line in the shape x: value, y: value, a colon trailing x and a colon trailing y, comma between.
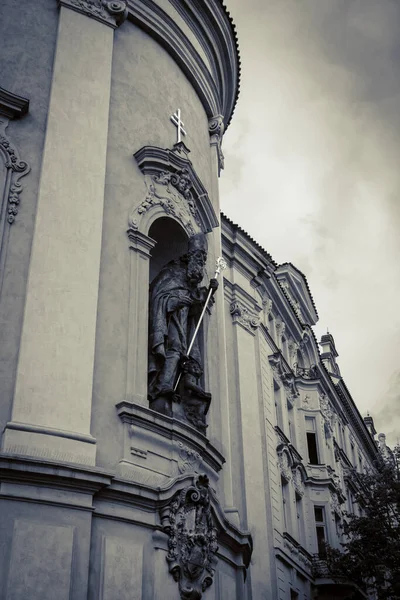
x: 305, y: 372
x: 319, y: 566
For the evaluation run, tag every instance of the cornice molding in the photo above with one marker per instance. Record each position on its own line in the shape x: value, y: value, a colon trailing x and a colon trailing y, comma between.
x: 214, y: 77
x: 11, y: 105
x: 109, y: 12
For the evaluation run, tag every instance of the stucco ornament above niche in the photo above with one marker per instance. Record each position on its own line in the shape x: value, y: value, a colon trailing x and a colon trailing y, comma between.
x: 192, y: 539
x: 174, y: 188
x: 171, y: 192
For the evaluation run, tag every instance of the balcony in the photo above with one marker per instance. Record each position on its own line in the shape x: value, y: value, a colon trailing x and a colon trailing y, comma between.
x: 305, y: 372
x: 329, y: 589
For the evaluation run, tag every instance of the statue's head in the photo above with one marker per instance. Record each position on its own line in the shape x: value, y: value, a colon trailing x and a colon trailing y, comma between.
x: 184, y: 182
x: 196, y: 257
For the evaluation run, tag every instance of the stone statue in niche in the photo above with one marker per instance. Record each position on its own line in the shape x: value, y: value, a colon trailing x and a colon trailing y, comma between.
x: 175, y: 305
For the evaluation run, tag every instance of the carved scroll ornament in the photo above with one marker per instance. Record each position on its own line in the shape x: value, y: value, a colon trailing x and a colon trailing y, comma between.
x: 171, y: 192
x: 216, y: 130
x: 244, y: 316
x: 192, y: 542
x: 109, y: 12
x: 18, y: 168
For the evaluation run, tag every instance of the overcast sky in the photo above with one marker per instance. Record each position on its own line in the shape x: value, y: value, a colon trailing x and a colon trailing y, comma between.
x: 312, y: 171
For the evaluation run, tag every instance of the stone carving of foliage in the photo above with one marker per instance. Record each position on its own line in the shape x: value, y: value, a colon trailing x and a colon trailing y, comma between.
x: 19, y: 169
x: 284, y: 461
x: 327, y: 414
x: 298, y: 482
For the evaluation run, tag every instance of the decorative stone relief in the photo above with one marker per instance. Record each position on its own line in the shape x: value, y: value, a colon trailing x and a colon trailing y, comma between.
x: 192, y: 543
x: 305, y: 339
x: 189, y: 460
x: 297, y: 310
x: 109, y: 12
x: 306, y: 561
x: 291, y: 547
x: 293, y: 348
x: 18, y: 168
x: 267, y: 305
x: 335, y: 504
x: 280, y: 328
x: 170, y: 191
x: 216, y: 131
x: 284, y: 461
x: 297, y: 479
x: 327, y: 414
x: 244, y: 316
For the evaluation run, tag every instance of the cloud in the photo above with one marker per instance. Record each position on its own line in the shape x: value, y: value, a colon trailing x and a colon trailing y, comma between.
x: 319, y: 147
x: 386, y: 412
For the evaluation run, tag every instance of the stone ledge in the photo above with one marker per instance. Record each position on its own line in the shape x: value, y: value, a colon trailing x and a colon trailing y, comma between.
x: 173, y: 430
x: 26, y: 472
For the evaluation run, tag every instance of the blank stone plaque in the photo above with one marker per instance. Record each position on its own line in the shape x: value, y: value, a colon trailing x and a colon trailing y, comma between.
x: 122, y: 570
x: 41, y: 560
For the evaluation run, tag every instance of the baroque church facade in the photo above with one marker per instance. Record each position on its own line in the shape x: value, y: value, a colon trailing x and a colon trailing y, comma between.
x: 169, y: 425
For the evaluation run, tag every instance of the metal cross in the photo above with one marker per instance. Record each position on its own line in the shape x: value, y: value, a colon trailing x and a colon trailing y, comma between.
x: 176, y: 119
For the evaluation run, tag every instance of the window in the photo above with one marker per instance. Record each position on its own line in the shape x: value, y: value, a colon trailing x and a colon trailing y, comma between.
x: 300, y: 520
x: 286, y: 505
x: 293, y: 595
x: 312, y: 443
x: 278, y: 405
x: 320, y: 528
x: 353, y: 456
x: 292, y: 429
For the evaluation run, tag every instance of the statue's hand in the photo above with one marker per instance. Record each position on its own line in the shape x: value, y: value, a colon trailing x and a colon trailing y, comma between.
x: 214, y: 284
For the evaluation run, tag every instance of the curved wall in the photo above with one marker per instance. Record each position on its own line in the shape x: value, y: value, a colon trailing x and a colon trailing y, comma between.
x: 89, y: 474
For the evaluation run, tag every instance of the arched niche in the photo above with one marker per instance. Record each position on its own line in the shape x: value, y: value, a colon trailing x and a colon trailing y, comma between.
x: 170, y: 243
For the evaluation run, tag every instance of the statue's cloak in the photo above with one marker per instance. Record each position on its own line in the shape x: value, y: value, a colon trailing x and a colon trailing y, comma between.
x: 171, y: 326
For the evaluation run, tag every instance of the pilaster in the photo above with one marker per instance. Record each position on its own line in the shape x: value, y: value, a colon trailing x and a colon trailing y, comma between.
x: 251, y: 417
x: 53, y: 393
x: 216, y: 334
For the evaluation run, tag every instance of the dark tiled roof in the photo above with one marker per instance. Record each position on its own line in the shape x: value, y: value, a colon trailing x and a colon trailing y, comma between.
x: 235, y: 37
x: 250, y: 239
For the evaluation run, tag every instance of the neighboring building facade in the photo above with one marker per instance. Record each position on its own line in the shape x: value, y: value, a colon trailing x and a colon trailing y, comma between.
x: 305, y: 436
x: 115, y: 483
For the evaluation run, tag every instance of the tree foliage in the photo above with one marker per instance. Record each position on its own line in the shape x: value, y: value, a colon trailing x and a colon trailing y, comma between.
x: 371, y: 551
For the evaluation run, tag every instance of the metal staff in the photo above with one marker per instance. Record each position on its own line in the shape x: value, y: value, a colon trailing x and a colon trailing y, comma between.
x: 220, y: 266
